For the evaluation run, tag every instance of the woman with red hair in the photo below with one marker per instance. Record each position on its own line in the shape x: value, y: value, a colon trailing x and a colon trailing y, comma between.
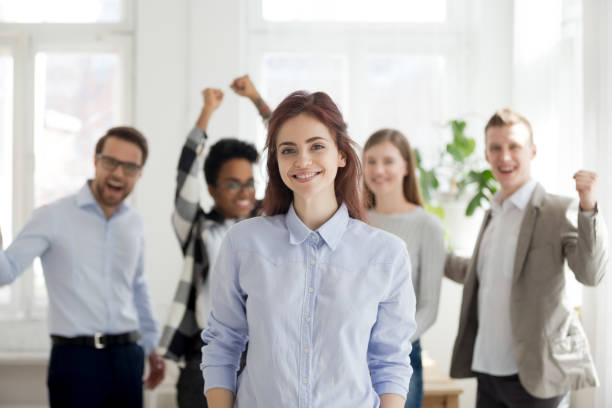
x: 324, y: 300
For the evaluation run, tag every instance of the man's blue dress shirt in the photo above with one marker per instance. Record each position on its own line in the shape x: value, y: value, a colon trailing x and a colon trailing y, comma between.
x: 328, y: 314
x: 93, y: 268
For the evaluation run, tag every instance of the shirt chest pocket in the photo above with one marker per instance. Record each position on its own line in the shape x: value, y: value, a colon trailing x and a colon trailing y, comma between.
x: 351, y: 293
x: 273, y: 289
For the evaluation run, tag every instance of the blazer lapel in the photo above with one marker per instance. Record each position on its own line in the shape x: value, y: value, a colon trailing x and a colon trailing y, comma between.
x: 527, y: 228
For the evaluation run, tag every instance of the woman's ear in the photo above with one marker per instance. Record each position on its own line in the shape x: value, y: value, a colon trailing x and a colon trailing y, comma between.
x: 341, y: 159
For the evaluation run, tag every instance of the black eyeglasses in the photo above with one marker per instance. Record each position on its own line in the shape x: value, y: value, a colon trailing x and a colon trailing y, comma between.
x: 110, y: 164
x: 236, y: 186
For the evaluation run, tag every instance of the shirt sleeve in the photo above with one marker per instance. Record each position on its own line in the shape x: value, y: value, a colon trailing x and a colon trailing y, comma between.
x: 227, y: 331
x: 389, y: 347
x: 188, y: 186
x: 33, y: 240
x: 149, y: 329
x: 433, y: 253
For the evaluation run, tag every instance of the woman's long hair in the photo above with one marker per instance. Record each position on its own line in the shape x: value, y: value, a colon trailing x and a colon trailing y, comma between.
x: 320, y: 106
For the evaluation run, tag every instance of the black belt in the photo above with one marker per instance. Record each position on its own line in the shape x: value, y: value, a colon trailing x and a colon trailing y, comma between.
x: 98, y: 340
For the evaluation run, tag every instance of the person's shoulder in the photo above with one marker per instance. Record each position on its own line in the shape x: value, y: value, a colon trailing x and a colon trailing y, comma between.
x: 65, y: 203
x: 257, y: 226
x: 429, y: 220
x: 555, y: 209
x: 376, y: 240
x: 552, y: 202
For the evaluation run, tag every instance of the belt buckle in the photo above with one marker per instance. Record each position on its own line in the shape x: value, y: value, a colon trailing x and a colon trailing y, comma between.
x: 97, y: 343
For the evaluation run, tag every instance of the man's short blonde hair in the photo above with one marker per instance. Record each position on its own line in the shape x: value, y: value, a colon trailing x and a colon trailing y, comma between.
x: 508, y: 117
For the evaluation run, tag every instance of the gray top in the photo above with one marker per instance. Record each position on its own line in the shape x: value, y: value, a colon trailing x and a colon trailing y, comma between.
x: 424, y: 238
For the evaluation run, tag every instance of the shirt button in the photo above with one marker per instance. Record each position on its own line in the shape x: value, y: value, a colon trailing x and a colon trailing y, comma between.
x: 305, y: 380
x: 310, y: 290
x: 315, y: 238
x: 308, y: 319
x: 312, y: 262
x: 306, y: 350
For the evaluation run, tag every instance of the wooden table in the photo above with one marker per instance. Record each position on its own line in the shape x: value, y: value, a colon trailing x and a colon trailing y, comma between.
x: 440, y: 391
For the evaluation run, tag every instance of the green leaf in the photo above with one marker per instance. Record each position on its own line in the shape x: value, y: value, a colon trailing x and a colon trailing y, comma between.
x: 429, y: 183
x: 461, y: 147
x: 417, y: 156
x: 435, y: 210
x: 474, y: 203
x: 458, y: 126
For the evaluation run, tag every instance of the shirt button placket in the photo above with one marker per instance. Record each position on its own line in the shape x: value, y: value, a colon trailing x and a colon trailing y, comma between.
x: 308, y: 332
x: 108, y: 269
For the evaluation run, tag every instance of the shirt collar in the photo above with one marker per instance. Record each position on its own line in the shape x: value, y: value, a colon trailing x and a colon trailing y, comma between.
x: 86, y: 198
x: 520, y: 198
x: 331, y: 231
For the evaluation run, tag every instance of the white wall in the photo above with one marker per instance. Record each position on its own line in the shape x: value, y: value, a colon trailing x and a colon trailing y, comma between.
x: 161, y: 84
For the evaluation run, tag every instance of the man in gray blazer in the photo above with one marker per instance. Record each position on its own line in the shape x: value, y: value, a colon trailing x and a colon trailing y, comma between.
x: 517, y: 335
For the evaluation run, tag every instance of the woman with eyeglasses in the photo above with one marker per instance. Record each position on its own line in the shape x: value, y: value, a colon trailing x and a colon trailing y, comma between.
x: 228, y: 170
x: 324, y: 300
x: 393, y: 198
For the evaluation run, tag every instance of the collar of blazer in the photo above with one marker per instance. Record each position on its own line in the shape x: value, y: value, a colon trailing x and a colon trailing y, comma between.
x: 527, y: 227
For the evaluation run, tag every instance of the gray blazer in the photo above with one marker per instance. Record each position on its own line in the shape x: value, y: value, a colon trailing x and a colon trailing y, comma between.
x: 551, y: 349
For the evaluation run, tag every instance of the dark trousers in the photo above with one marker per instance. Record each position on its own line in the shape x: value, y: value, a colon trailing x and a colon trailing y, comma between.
x: 508, y: 392
x: 414, y: 399
x: 82, y: 376
x: 190, y: 384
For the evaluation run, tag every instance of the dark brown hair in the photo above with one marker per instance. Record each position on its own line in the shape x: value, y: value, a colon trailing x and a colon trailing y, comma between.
x: 321, y: 107
x: 508, y: 117
x: 412, y: 191
x: 129, y: 134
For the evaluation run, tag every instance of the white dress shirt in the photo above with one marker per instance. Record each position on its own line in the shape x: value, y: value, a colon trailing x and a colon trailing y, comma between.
x: 494, y: 349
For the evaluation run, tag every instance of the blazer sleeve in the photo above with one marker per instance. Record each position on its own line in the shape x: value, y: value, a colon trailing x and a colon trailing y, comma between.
x: 456, y: 267
x: 585, y: 246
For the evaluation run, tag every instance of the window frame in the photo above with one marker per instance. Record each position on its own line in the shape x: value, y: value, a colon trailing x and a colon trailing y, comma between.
x: 25, y: 40
x: 455, y: 15
x: 355, y: 41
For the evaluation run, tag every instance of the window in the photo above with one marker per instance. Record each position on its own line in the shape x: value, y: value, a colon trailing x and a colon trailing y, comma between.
x: 413, y: 11
x: 404, y: 73
x: 61, y: 88
x: 76, y: 102
x: 6, y: 153
x: 60, y: 11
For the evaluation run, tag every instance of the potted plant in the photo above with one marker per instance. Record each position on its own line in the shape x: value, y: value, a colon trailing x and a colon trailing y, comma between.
x: 456, y: 168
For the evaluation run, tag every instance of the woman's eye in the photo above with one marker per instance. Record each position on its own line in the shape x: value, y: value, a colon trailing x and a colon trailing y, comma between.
x: 286, y: 151
x: 318, y: 147
x: 388, y: 161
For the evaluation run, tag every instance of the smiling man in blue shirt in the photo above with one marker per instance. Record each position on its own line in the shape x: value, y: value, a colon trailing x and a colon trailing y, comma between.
x: 91, y: 245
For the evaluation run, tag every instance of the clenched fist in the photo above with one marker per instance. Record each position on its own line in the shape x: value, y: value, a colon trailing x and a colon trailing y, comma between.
x: 212, y: 98
x: 586, y: 186
x: 243, y: 86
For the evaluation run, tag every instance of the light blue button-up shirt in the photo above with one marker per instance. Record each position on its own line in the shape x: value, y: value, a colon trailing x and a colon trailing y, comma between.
x: 328, y: 314
x: 93, y: 267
